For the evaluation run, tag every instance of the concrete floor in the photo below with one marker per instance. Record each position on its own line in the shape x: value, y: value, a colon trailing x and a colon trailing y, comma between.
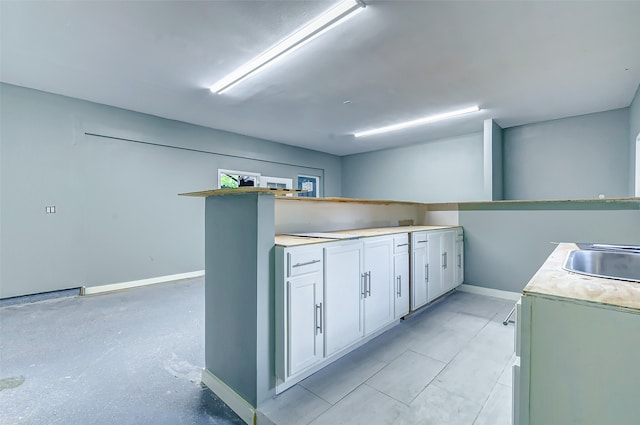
x: 132, y: 357
x: 135, y: 357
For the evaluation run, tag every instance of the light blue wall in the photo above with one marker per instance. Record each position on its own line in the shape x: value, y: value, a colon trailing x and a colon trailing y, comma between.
x: 438, y: 171
x: 118, y: 214
x: 239, y: 296
x: 634, y: 132
x: 571, y: 158
x: 505, y: 244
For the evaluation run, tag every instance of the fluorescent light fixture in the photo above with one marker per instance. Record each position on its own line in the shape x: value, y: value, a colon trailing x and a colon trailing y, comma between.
x: 318, y: 26
x: 425, y: 120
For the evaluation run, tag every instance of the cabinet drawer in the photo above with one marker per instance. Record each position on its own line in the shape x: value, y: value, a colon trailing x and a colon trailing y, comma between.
x: 418, y: 239
x: 400, y: 244
x: 303, y: 261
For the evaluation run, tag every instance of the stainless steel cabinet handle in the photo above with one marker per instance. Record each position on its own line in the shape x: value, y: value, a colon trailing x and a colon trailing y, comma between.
x: 459, y: 261
x: 444, y: 260
x: 306, y: 264
x: 369, y: 283
x: 318, y: 320
x: 363, y: 288
x: 422, y: 241
x: 426, y: 272
x: 403, y: 244
x: 399, y: 291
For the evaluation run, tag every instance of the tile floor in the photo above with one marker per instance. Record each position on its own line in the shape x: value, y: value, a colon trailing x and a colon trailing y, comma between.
x: 448, y: 364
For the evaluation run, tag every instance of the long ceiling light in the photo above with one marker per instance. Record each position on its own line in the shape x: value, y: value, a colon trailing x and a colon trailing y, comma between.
x: 318, y: 26
x: 419, y: 121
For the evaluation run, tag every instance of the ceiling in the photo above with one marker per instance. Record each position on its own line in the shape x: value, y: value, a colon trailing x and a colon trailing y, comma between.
x: 521, y: 62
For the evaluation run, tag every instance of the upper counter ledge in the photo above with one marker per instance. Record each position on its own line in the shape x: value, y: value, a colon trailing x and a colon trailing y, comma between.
x: 246, y: 189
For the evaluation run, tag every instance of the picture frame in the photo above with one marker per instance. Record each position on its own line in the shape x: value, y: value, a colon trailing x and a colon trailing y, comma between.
x: 309, y: 183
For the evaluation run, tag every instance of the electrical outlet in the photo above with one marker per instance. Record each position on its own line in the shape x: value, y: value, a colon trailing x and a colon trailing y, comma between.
x: 50, y: 209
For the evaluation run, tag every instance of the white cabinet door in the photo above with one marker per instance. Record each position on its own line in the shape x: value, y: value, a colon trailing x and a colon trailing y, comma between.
x: 343, y: 297
x: 401, y: 280
x: 434, y: 265
x: 305, y: 331
x: 459, y: 269
x: 378, y: 270
x: 448, y: 260
x: 419, y: 270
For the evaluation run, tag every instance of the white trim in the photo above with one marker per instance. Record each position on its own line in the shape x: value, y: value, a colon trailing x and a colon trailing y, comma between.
x: 143, y: 282
x: 265, y: 180
x: 481, y: 290
x: 231, y: 398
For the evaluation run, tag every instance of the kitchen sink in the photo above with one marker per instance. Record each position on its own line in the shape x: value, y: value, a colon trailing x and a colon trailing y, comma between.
x: 611, y: 264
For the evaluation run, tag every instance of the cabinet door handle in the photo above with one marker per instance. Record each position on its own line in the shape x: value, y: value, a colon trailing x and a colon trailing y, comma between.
x: 399, y: 292
x: 444, y: 260
x: 318, y: 320
x: 369, y: 283
x: 426, y: 272
x: 306, y: 264
x: 459, y: 261
x: 422, y: 241
x: 363, y: 285
x: 403, y: 244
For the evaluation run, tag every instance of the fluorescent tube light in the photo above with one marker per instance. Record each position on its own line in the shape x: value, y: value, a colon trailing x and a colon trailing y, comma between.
x: 425, y: 120
x: 313, y: 29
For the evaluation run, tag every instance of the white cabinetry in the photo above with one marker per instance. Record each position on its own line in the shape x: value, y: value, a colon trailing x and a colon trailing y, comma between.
x: 299, y: 310
x: 459, y: 267
x: 358, y: 290
x: 419, y: 269
x: 401, y: 275
x: 344, y: 295
x: 378, y: 278
x: 436, y: 266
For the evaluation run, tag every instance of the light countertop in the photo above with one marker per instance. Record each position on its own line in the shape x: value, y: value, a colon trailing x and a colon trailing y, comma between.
x: 552, y: 280
x: 290, y: 240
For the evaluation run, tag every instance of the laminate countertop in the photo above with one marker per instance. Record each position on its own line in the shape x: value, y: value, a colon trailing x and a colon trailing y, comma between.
x: 552, y: 280
x: 288, y: 240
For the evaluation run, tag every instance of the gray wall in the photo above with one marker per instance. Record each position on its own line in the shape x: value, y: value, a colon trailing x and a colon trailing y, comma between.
x: 437, y: 171
x: 506, y: 244
x: 239, y: 314
x: 570, y: 158
x: 634, y: 132
x: 118, y: 217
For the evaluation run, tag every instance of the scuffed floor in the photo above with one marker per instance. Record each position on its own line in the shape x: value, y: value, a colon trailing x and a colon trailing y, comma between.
x: 132, y: 357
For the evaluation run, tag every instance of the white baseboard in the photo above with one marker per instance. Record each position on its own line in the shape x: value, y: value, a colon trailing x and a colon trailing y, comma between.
x: 481, y: 290
x: 143, y: 282
x: 231, y: 398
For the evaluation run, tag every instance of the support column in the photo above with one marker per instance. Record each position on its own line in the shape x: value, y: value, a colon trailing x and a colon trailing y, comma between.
x: 239, y: 294
x: 492, y: 161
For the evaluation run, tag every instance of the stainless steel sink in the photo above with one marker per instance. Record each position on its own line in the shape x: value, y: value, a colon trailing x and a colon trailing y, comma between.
x: 614, y: 264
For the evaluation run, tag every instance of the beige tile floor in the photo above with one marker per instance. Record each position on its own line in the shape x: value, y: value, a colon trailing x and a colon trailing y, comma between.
x: 448, y: 364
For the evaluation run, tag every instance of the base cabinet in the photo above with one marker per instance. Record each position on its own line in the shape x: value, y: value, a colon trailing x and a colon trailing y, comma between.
x: 333, y: 296
x: 578, y: 363
x: 419, y: 270
x: 299, y: 310
x: 344, y: 295
x: 437, y: 264
x: 401, y: 276
x: 378, y: 302
x: 305, y: 328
